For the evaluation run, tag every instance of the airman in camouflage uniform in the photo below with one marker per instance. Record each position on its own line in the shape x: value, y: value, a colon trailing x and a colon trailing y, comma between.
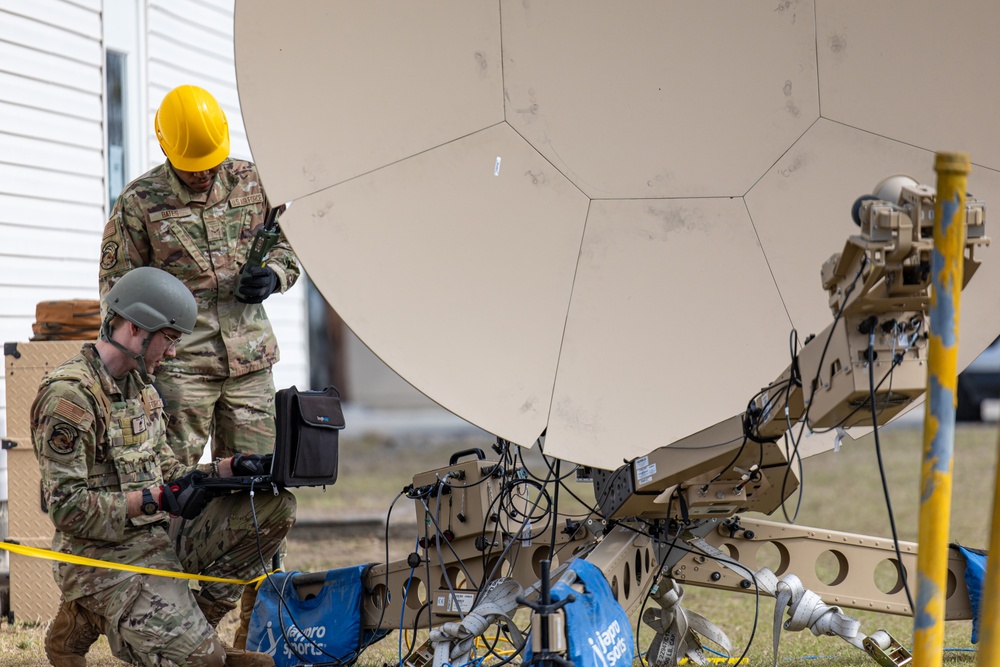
x: 198, y: 225
x: 98, y: 433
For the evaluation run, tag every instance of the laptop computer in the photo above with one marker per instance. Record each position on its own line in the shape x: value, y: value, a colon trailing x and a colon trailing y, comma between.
x: 306, y: 448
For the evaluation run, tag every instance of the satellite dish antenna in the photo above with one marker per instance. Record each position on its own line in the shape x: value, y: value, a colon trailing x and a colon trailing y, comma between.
x: 599, y: 221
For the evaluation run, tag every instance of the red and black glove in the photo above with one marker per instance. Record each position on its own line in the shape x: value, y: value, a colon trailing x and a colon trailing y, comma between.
x: 183, y: 496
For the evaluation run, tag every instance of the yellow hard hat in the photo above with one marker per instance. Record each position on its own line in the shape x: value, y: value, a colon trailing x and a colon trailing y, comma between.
x: 192, y: 129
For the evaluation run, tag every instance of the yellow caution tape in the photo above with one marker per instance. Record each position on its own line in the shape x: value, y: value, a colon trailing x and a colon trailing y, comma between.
x: 48, y: 554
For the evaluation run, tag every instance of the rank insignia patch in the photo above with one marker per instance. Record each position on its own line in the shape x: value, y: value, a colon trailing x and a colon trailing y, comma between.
x: 109, y: 255
x: 63, y: 438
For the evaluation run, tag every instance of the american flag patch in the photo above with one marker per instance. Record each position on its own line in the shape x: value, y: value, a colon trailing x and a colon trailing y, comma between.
x: 70, y: 411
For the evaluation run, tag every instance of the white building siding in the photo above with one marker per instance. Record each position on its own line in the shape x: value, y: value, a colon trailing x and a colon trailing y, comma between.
x: 52, y: 146
x: 51, y: 158
x: 191, y: 41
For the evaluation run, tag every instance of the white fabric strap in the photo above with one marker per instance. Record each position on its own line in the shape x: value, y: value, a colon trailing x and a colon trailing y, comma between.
x: 678, y: 629
x: 453, y: 642
x: 806, y: 609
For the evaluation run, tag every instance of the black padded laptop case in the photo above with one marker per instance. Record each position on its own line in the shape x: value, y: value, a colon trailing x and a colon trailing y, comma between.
x: 308, y: 425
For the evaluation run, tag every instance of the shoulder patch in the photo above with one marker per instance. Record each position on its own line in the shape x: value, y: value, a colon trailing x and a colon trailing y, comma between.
x: 249, y: 199
x: 62, y: 439
x: 70, y: 411
x: 109, y: 255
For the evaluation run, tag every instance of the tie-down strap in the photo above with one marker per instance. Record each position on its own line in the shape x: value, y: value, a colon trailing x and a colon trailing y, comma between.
x: 806, y: 609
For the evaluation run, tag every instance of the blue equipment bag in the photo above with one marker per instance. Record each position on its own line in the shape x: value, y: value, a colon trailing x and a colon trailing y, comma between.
x: 597, y: 628
x: 975, y: 574
x: 324, y: 629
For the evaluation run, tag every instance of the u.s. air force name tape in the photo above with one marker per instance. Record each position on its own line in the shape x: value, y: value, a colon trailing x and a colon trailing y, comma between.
x: 48, y: 554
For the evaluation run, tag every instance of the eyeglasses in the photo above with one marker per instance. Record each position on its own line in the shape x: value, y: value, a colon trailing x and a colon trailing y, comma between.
x: 171, y: 340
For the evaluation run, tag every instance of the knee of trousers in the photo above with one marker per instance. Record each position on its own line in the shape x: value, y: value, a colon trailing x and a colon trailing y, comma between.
x: 210, y: 653
x: 277, y: 512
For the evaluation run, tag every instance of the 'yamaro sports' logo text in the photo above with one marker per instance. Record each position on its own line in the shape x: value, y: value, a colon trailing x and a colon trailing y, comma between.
x: 306, y: 642
x: 610, y: 646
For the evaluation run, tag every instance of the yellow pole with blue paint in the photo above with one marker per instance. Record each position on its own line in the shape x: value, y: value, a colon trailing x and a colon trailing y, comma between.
x: 939, y: 420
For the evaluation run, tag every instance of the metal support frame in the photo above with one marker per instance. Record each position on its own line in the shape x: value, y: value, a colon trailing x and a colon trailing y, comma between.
x: 859, y: 571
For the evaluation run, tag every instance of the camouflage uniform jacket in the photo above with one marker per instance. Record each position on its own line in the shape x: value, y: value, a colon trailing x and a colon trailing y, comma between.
x: 203, y: 239
x: 94, y: 443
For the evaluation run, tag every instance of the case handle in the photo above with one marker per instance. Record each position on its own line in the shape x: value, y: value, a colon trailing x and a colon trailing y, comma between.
x: 465, y: 452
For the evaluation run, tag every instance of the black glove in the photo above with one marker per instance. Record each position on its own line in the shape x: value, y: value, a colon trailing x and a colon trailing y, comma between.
x: 184, y: 497
x: 248, y: 465
x: 256, y: 284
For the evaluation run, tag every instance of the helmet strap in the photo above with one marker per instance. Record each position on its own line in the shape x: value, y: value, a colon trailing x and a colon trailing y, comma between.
x: 140, y: 357
x: 105, y: 333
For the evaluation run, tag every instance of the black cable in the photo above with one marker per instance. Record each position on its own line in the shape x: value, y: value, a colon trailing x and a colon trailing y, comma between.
x: 592, y: 510
x: 535, y: 515
x: 896, y: 361
x: 756, y: 590
x: 416, y: 626
x: 729, y: 465
x: 420, y: 494
x: 555, y: 510
x: 281, y: 599
x: 881, y: 469
x: 503, y: 504
x: 545, y: 459
x: 609, y: 485
x: 794, y: 372
x: 427, y: 577
x: 734, y: 563
x: 777, y: 396
x: 792, y: 455
x: 659, y: 573
x: 795, y: 457
x: 804, y: 422
x: 826, y: 345
x: 377, y: 634
x: 440, y: 537
x: 487, y: 576
x: 267, y: 576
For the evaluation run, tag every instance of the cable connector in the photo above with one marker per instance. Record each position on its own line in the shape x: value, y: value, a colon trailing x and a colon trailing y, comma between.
x: 868, y: 325
x: 746, y: 477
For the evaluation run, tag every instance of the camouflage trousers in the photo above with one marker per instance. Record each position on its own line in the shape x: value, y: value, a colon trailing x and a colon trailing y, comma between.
x: 155, y: 620
x: 237, y: 413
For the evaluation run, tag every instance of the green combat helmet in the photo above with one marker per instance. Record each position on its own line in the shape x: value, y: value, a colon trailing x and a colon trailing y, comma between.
x: 151, y: 299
